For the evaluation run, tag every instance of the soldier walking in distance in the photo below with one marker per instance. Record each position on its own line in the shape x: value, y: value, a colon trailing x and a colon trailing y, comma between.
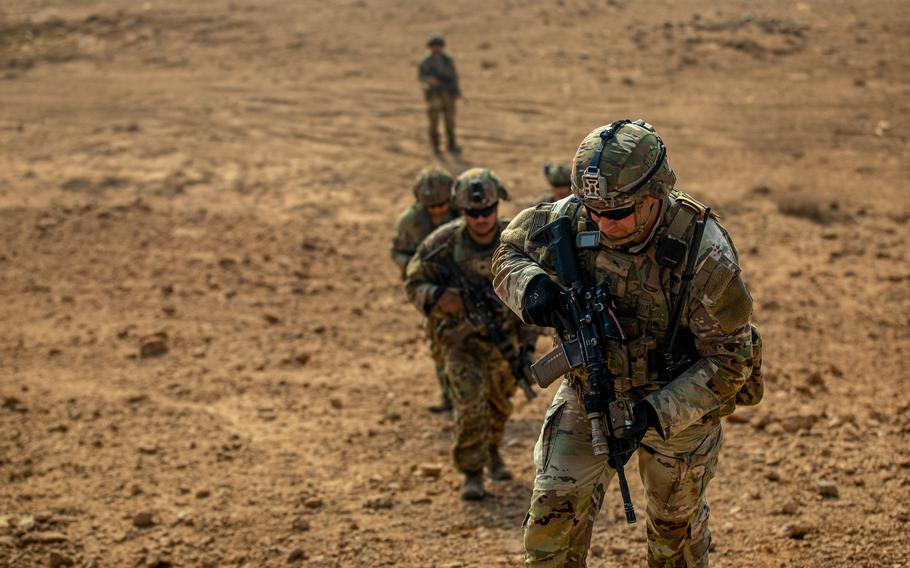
x: 560, y: 178
x: 437, y: 75
x: 430, y: 210
x: 480, y: 381
x: 672, y: 373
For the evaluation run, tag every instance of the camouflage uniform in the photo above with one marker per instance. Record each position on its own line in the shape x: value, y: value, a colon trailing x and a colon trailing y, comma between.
x: 479, y: 379
x: 558, y: 176
x: 440, y: 97
x: 412, y: 226
x: 678, y: 457
x: 432, y: 188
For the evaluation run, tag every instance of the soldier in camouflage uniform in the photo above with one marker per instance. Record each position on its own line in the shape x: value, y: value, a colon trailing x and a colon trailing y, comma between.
x: 560, y: 178
x: 430, y: 210
x: 437, y: 75
x: 480, y: 381
x: 623, y: 186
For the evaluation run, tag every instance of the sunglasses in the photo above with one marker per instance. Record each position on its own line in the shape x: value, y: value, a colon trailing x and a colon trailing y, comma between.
x: 477, y: 213
x: 613, y: 214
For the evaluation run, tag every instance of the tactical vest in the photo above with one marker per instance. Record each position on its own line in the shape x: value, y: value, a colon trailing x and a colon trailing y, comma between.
x: 644, y: 286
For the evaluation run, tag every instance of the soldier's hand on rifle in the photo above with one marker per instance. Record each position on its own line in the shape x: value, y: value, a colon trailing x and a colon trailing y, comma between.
x: 543, y: 304
x: 449, y: 302
x: 643, y: 417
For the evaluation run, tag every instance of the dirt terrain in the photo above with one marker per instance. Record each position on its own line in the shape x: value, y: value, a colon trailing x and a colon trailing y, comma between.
x: 206, y: 356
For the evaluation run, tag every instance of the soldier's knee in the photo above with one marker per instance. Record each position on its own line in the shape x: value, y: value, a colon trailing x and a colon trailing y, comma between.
x: 549, y: 520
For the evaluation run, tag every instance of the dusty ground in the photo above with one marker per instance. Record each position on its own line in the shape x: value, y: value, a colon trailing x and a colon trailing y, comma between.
x: 225, y: 174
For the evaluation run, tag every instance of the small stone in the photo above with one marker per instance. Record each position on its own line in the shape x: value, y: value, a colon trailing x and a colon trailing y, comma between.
x: 797, y: 531
x: 617, y: 550
x: 271, y: 319
x: 827, y: 489
x: 58, y: 560
x: 203, y: 493
x: 300, y: 524
x: 791, y: 507
x: 144, y: 520
x: 313, y: 503
x: 336, y: 403
x: 297, y: 555
x: 793, y: 424
x: 26, y: 523
x: 302, y: 358
x: 815, y: 379
x: 13, y: 404
x: 45, y: 537
x: 881, y: 128
x: 148, y: 449
x: 429, y: 470
x: 154, y: 345
x: 378, y: 502
x: 597, y: 550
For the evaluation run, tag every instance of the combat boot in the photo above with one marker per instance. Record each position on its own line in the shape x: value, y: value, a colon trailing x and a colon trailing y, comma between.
x: 497, y: 467
x: 472, y: 490
x: 452, y: 147
x: 445, y: 405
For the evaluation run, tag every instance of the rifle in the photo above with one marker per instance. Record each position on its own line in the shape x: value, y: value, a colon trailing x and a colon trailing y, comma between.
x: 590, y: 323
x: 481, y: 312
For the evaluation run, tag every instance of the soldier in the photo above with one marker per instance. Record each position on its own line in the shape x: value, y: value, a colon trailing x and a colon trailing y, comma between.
x: 430, y: 210
x: 560, y: 177
x: 480, y: 381
x: 624, y: 188
x: 437, y: 75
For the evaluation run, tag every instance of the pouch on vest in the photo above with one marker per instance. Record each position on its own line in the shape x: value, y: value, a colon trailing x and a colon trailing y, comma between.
x: 752, y: 391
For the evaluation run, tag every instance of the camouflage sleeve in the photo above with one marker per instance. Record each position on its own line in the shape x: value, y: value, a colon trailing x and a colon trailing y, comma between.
x: 425, y: 72
x: 424, y: 281
x: 516, y: 262
x: 404, y: 243
x: 718, y: 310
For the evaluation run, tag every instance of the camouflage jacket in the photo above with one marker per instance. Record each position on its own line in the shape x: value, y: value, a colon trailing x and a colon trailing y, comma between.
x: 442, y: 68
x: 425, y: 280
x: 717, y: 313
x: 412, y: 226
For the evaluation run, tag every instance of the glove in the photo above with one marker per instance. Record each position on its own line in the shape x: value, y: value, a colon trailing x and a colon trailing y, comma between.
x: 643, y: 417
x: 542, y: 303
x: 450, y: 302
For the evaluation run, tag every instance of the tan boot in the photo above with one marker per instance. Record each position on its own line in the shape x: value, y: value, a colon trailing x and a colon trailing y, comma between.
x: 472, y: 490
x: 497, y: 467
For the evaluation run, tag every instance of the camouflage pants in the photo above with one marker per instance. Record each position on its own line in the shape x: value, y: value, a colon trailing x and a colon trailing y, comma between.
x: 438, y: 358
x: 441, y: 104
x: 571, y: 482
x: 481, y: 387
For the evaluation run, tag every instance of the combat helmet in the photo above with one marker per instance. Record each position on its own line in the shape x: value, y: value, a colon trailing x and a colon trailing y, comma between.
x: 433, y: 186
x: 617, y: 166
x: 478, y: 188
x: 436, y: 39
x: 559, y: 175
